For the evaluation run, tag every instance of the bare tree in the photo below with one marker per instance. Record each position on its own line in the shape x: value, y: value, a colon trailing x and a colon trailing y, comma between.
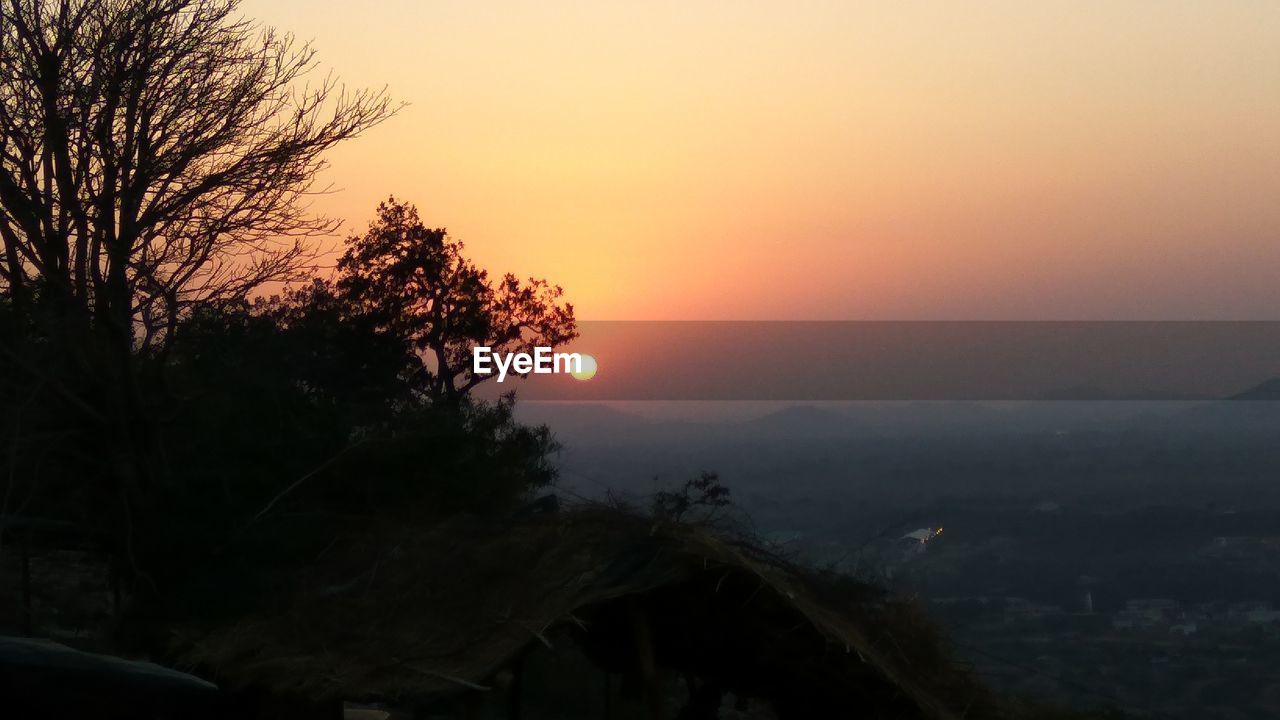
x: 157, y: 154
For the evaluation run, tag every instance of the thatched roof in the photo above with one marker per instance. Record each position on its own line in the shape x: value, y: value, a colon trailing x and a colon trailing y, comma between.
x: 407, y: 614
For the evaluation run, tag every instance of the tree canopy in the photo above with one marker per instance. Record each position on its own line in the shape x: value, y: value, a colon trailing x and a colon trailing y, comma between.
x: 414, y: 281
x: 156, y: 160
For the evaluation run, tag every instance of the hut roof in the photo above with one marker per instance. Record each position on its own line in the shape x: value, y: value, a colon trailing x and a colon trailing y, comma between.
x: 408, y: 613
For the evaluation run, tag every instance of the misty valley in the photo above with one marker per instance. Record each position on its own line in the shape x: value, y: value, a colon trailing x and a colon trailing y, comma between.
x: 1105, y: 554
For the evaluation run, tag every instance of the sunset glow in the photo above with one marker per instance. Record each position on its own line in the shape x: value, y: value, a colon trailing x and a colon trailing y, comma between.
x: 768, y: 160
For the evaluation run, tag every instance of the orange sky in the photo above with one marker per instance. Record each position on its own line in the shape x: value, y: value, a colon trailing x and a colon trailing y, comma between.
x: 1114, y: 159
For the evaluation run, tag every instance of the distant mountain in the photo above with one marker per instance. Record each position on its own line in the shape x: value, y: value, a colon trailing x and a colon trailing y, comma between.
x: 1087, y: 393
x: 933, y: 417
x: 578, y: 418
x: 593, y: 422
x: 1252, y: 412
x: 1268, y: 390
x: 1092, y: 393
x: 589, y: 424
x: 801, y: 420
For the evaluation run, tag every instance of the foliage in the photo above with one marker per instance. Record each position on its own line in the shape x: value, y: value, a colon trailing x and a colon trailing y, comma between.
x: 155, y: 160
x: 702, y: 496
x: 415, y: 282
x: 298, y: 423
x: 51, y: 449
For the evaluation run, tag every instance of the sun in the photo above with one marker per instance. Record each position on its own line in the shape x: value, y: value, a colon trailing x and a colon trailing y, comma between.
x: 587, y: 370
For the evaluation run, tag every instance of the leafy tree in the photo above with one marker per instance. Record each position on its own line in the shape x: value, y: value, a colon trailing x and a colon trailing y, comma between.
x: 699, y: 499
x: 415, y: 282
x: 301, y: 423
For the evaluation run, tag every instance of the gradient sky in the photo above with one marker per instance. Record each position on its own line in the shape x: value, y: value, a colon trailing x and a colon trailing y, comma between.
x: 704, y: 159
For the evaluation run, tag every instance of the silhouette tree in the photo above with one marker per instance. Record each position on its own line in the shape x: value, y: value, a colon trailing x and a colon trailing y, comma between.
x: 415, y: 282
x: 302, y: 423
x: 155, y: 158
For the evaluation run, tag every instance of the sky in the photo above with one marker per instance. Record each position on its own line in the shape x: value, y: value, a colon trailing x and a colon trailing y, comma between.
x: 704, y: 159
